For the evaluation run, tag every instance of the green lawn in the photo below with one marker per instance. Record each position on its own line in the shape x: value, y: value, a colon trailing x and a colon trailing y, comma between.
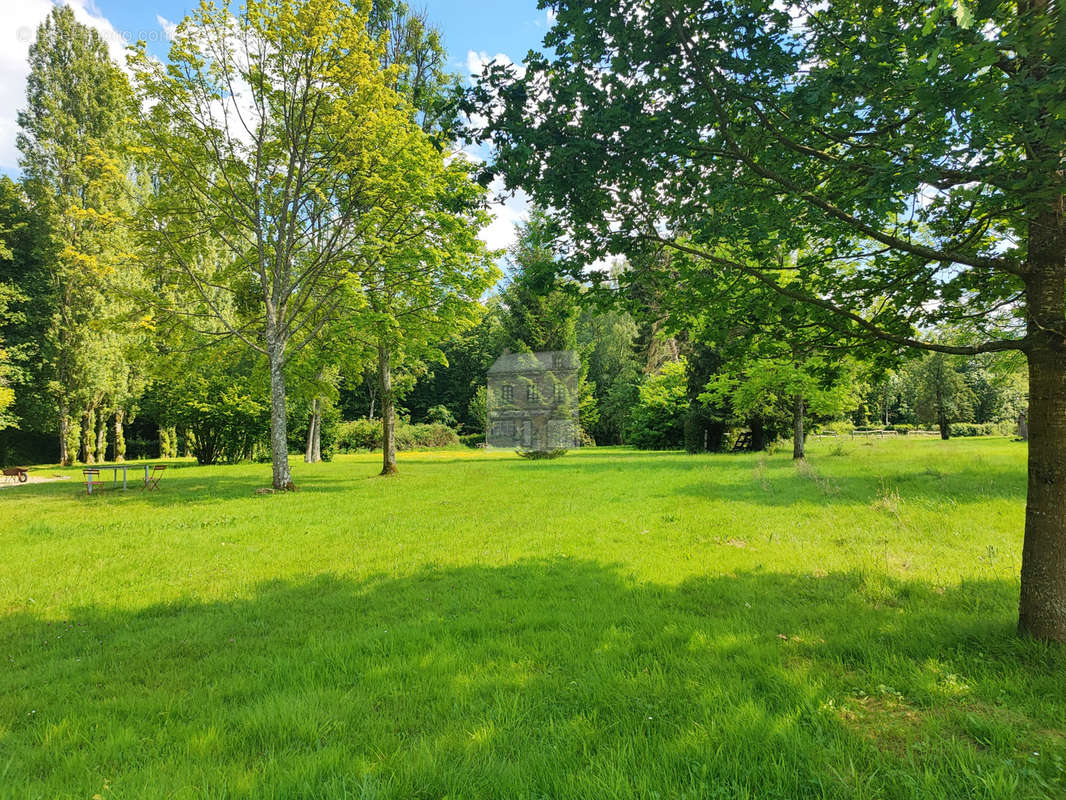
x: 611, y: 625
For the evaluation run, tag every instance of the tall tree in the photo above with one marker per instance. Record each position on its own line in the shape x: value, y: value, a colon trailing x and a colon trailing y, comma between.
x: 276, y: 133
x: 428, y: 287
x: 7, y: 393
x: 938, y: 391
x: 538, y: 314
x: 920, y: 148
x: 73, y: 142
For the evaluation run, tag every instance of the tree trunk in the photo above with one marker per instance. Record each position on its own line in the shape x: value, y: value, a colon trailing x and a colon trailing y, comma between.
x: 944, y: 425
x: 88, y: 425
x: 66, y: 457
x: 1042, y: 609
x: 279, y: 440
x: 388, y: 412
x: 120, y: 435
x: 312, y: 433
x: 1042, y: 606
x: 758, y: 434
x: 798, y: 434
x: 941, y: 416
x: 316, y: 446
x: 101, y: 437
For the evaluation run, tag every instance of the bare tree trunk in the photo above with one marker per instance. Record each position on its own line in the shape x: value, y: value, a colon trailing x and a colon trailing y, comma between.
x: 388, y: 412
x: 316, y: 445
x: 66, y: 458
x: 941, y: 415
x: 88, y: 424
x: 120, y: 434
x: 279, y: 443
x: 312, y: 433
x: 101, y: 436
x: 1042, y: 610
x: 1042, y: 606
x: 798, y: 434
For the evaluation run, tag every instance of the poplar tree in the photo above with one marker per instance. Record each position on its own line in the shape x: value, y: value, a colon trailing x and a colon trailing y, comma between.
x: 72, y: 138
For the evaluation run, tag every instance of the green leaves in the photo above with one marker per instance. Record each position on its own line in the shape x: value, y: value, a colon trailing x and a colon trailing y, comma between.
x: 899, y: 143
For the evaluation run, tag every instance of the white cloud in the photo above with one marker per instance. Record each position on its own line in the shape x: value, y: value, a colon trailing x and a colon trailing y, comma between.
x: 508, y: 213
x: 19, y: 20
x: 476, y: 61
x: 169, y: 28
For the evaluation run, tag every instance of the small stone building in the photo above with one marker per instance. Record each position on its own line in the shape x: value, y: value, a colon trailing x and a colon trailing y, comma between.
x: 533, y: 401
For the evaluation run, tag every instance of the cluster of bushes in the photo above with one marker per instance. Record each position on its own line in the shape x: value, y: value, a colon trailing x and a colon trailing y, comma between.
x: 962, y: 429
x: 657, y: 421
x: 365, y: 434
x: 981, y: 428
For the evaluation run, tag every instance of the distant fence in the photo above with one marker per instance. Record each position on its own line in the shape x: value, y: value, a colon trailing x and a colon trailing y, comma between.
x: 875, y: 434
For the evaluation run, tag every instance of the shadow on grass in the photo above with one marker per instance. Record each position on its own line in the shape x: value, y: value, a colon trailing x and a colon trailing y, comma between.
x: 544, y: 679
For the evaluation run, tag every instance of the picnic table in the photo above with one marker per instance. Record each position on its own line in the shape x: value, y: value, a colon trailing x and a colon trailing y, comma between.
x: 125, y: 468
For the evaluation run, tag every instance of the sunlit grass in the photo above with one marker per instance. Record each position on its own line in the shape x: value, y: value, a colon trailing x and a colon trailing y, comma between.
x: 611, y: 624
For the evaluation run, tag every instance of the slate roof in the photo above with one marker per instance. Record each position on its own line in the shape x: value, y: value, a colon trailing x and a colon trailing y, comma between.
x: 521, y: 363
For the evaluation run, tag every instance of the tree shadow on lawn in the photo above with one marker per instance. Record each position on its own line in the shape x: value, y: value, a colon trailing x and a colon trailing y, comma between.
x: 542, y: 679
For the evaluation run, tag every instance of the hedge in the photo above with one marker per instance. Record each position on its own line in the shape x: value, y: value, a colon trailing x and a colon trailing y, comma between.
x: 365, y: 434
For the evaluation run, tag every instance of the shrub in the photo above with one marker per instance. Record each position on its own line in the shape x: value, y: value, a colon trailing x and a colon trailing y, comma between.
x: 227, y: 425
x: 902, y: 428
x: 415, y: 437
x: 964, y: 429
x: 472, y: 440
x: 657, y: 422
x: 358, y: 434
x: 441, y: 415
x: 542, y: 455
x: 365, y: 434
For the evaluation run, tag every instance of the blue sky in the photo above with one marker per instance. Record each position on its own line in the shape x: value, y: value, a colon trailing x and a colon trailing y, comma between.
x: 489, y: 26
x: 474, y: 32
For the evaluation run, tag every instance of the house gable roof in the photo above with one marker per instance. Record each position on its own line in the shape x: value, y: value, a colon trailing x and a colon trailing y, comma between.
x: 521, y: 363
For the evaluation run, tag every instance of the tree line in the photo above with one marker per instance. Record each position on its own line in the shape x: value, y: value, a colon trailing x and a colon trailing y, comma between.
x: 790, y: 204
x: 283, y: 200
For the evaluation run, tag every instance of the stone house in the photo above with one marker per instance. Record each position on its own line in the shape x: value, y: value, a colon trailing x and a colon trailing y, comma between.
x: 532, y: 401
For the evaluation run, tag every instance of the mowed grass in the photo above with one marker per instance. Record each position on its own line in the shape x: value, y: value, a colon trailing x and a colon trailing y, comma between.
x: 614, y: 624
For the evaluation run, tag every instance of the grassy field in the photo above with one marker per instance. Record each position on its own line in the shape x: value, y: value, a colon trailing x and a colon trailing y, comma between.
x: 611, y: 625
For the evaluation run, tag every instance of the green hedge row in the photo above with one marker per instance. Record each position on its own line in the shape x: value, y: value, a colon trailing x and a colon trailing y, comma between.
x: 365, y: 434
x: 981, y: 429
